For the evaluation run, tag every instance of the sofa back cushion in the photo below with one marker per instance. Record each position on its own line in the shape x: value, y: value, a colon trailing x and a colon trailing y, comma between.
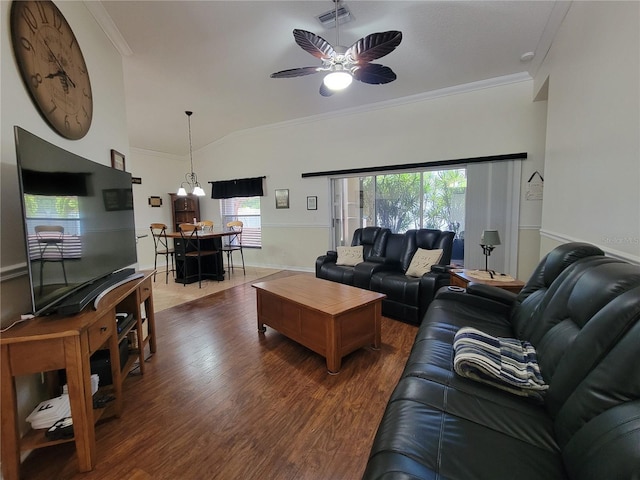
x: 372, y: 239
x: 400, y: 248
x: 431, y: 239
x: 583, y: 331
x: 536, y: 288
x: 600, y: 372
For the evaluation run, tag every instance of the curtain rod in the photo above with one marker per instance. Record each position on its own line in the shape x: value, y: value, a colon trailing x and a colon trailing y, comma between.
x: 405, y: 166
x: 235, y: 179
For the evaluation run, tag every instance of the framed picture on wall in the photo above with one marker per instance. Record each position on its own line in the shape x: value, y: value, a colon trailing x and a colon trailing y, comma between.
x: 312, y: 203
x: 282, y: 198
x: 117, y: 160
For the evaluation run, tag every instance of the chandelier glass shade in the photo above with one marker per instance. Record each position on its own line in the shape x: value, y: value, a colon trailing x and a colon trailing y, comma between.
x: 191, y: 179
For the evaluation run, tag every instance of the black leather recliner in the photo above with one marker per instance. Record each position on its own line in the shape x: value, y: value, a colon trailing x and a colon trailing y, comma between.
x: 408, y: 297
x: 374, y: 242
x: 581, y: 311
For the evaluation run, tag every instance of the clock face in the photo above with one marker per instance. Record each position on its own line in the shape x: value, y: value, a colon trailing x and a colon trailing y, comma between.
x: 52, y: 66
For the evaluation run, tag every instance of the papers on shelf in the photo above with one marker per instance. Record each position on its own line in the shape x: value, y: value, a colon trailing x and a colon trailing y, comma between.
x: 50, y: 411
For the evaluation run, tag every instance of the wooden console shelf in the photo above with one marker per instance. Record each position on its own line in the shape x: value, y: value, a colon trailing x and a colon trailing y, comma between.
x: 53, y: 343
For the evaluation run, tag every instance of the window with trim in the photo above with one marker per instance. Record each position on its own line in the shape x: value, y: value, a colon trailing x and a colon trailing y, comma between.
x: 247, y: 210
x: 54, y: 210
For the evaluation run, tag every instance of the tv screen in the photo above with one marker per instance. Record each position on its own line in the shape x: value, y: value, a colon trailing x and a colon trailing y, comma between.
x: 78, y: 220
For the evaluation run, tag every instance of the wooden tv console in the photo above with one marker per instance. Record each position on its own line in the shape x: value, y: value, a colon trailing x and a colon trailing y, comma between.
x: 52, y: 343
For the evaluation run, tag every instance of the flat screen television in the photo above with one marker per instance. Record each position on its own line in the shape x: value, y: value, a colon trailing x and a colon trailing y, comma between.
x: 78, y: 224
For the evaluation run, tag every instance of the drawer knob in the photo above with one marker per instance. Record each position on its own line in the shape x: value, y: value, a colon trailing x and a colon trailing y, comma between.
x: 103, y: 329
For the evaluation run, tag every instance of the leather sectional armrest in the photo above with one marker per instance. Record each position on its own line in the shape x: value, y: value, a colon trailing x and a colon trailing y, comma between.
x: 492, y: 293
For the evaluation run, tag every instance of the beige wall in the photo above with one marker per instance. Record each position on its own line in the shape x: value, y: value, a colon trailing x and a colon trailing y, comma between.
x: 592, y: 154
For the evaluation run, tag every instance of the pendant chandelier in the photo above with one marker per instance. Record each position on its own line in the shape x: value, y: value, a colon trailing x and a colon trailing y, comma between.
x: 191, y: 179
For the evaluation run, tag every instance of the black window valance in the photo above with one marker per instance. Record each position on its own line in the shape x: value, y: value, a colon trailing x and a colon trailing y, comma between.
x: 241, y: 187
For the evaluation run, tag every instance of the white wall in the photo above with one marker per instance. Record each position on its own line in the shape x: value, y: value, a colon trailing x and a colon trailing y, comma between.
x: 160, y: 173
x: 593, y: 142
x: 108, y: 131
x: 448, y: 125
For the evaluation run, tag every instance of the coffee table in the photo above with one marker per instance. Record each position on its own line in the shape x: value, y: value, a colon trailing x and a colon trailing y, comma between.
x: 329, y: 318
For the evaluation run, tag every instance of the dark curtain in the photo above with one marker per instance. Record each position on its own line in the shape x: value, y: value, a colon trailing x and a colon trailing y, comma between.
x: 243, y: 187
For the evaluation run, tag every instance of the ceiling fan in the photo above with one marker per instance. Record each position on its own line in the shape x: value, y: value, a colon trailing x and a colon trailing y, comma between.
x: 341, y: 64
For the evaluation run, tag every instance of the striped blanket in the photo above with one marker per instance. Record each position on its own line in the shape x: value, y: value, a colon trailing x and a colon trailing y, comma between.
x: 506, y: 363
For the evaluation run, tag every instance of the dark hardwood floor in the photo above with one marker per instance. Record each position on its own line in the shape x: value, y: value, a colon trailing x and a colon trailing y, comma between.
x: 220, y: 401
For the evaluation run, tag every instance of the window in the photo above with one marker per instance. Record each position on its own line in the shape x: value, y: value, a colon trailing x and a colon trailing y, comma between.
x: 54, y: 210
x: 247, y: 210
x: 400, y: 202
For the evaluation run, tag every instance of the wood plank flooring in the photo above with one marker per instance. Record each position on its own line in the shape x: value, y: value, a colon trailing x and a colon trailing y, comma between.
x: 220, y: 401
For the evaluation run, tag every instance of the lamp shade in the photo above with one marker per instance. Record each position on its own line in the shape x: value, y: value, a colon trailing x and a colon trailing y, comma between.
x: 490, y: 237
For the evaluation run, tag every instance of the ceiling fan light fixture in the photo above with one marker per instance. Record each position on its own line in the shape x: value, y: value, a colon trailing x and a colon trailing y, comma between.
x: 338, y: 80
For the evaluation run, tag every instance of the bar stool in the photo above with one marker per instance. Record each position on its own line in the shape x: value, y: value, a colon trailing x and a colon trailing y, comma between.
x: 234, y: 244
x: 161, y: 245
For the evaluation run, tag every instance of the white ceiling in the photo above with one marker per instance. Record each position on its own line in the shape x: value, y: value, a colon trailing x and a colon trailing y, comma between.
x: 215, y: 57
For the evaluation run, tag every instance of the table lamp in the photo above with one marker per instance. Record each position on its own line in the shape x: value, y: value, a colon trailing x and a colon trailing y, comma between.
x: 488, y: 241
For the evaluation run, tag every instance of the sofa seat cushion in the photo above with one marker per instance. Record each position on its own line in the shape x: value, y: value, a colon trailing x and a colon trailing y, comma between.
x: 443, y: 433
x: 431, y: 358
x: 506, y: 363
x: 337, y: 273
x: 397, y: 286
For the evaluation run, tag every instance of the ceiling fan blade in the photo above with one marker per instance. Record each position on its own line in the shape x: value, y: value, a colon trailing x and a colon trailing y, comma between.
x: 312, y: 43
x: 374, y: 74
x: 375, y: 46
x: 325, y: 91
x: 295, y: 72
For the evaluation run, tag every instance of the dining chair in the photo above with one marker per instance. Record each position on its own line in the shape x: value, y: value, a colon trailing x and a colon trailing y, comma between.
x: 50, y: 247
x: 161, y: 245
x: 206, y: 225
x: 233, y: 243
x: 192, y: 249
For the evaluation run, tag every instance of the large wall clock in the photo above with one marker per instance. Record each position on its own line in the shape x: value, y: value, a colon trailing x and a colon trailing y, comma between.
x: 52, y: 66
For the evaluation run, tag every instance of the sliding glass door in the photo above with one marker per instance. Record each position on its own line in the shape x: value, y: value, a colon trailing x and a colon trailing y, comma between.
x: 400, y: 202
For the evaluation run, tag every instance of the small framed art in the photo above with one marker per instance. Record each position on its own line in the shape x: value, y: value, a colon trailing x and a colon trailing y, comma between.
x: 117, y: 160
x: 282, y: 198
x: 312, y: 203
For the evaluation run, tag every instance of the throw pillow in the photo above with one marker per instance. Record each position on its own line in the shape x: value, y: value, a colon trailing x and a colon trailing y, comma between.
x: 506, y: 363
x: 349, y: 256
x: 422, y: 261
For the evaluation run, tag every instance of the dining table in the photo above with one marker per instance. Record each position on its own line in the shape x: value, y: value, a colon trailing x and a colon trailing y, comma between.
x: 210, y: 240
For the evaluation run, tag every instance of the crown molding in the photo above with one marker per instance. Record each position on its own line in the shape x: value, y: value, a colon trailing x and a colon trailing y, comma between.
x: 105, y: 21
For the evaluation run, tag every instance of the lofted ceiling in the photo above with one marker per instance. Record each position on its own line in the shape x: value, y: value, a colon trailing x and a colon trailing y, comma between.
x: 215, y: 57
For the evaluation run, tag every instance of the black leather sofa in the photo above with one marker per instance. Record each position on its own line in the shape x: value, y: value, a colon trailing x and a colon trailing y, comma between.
x: 387, y: 257
x: 581, y: 311
x: 374, y: 243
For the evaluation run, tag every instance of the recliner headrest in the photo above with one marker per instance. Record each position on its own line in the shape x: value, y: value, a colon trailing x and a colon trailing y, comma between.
x: 564, y: 255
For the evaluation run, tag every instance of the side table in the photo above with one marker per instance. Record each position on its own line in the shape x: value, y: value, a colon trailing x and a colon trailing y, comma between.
x: 461, y: 278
